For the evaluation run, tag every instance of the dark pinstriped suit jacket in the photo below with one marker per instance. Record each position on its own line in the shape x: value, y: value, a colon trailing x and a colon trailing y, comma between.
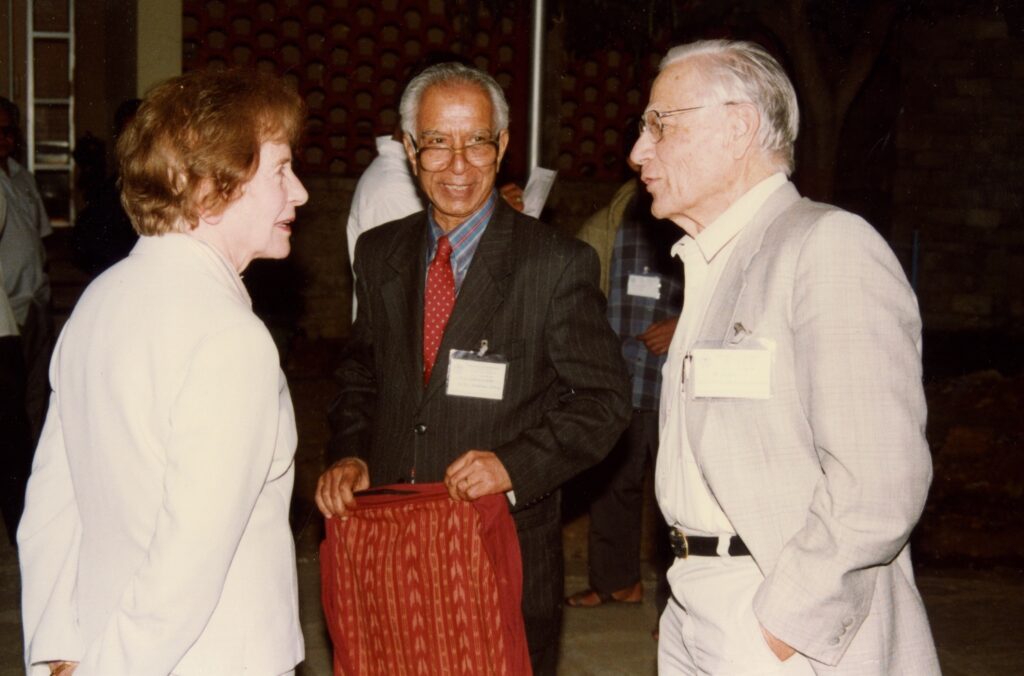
x: 532, y: 293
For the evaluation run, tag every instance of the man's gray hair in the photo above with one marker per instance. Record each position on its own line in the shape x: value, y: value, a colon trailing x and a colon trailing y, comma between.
x: 448, y: 74
x: 745, y: 72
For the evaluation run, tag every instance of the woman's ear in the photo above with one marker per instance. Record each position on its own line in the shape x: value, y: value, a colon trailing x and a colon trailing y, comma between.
x: 207, y: 216
x: 212, y: 210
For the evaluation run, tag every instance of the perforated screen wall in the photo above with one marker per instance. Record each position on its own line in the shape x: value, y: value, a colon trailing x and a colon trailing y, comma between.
x: 350, y: 58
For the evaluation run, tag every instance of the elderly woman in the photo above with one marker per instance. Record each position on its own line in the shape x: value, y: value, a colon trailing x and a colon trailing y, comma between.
x: 155, y: 538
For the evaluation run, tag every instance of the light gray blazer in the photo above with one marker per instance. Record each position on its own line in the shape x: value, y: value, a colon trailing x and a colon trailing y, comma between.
x: 824, y: 480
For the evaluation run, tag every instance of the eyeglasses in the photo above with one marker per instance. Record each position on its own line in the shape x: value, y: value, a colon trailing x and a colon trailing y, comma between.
x: 651, y: 120
x: 439, y: 158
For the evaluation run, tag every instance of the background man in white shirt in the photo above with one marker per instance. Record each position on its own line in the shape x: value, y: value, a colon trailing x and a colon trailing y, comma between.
x: 385, y: 192
x: 23, y: 259
x: 15, y: 445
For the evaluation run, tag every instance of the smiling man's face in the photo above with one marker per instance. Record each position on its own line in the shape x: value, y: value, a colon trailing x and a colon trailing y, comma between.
x: 456, y: 115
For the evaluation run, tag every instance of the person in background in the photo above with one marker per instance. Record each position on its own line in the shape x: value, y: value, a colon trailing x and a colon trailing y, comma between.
x: 155, y: 538
x: 103, y: 233
x: 793, y: 463
x: 645, y: 294
x: 385, y: 192
x: 472, y: 274
x: 15, y: 435
x: 23, y: 259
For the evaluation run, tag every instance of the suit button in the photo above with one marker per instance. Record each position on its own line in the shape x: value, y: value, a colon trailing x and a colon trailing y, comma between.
x: 420, y: 429
x: 834, y: 641
x: 847, y: 621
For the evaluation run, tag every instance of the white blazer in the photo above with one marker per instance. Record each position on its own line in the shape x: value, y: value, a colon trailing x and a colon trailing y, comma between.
x: 825, y: 479
x: 155, y: 537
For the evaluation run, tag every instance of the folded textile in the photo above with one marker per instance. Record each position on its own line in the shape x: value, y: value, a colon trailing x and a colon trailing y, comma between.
x: 414, y: 582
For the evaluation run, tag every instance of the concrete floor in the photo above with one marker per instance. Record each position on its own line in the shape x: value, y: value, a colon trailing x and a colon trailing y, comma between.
x: 977, y: 619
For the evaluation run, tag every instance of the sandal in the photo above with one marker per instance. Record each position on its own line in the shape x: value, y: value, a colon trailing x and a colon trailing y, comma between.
x: 592, y: 598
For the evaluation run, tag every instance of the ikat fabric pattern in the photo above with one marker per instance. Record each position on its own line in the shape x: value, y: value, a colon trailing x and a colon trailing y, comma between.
x: 415, y: 583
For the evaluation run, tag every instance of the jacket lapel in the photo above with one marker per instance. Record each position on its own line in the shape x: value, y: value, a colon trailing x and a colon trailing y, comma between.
x: 721, y: 314
x: 483, y: 291
x: 720, y: 317
x: 403, y: 298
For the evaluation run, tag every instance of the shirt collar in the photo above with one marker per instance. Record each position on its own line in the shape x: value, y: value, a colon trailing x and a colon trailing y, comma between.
x: 466, y: 233
x: 712, y: 239
x: 180, y: 243
x: 388, y: 146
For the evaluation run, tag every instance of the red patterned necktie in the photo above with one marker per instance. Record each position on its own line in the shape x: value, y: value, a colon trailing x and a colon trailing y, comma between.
x: 438, y: 301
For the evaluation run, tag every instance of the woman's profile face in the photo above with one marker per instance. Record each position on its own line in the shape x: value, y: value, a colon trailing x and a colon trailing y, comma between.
x: 258, y: 223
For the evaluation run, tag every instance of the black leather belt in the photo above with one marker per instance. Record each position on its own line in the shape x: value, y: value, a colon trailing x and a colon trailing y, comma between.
x: 684, y: 545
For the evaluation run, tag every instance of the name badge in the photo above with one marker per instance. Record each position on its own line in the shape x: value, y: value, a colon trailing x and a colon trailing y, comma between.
x: 736, y: 374
x: 644, y: 286
x: 476, y: 374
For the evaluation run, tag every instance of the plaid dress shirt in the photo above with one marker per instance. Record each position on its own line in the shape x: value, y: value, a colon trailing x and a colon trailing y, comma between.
x: 643, y: 247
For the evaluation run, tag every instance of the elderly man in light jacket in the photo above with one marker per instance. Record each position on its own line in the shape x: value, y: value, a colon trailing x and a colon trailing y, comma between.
x: 793, y: 462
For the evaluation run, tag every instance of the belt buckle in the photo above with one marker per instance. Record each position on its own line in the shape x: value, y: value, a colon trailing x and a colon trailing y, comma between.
x: 680, y: 545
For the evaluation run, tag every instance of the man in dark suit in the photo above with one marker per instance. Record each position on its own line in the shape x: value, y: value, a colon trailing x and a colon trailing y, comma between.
x: 480, y: 355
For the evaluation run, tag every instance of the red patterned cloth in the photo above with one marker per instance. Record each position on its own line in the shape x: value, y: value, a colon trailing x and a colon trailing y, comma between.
x: 416, y: 583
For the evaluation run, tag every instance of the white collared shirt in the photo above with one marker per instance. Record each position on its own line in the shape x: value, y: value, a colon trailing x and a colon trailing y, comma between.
x: 385, y: 192
x: 683, y: 495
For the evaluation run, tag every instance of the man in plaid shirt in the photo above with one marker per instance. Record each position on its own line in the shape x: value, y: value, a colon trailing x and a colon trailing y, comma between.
x: 643, y: 284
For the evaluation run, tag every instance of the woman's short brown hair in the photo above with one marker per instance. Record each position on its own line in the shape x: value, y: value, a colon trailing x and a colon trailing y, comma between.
x: 195, y: 142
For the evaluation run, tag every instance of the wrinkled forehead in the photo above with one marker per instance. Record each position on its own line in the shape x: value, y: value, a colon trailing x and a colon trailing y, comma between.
x: 678, y: 85
x: 458, y: 107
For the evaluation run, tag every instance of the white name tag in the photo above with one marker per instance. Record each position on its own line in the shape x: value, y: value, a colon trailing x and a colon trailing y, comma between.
x: 473, y: 375
x: 737, y: 374
x: 644, y: 286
